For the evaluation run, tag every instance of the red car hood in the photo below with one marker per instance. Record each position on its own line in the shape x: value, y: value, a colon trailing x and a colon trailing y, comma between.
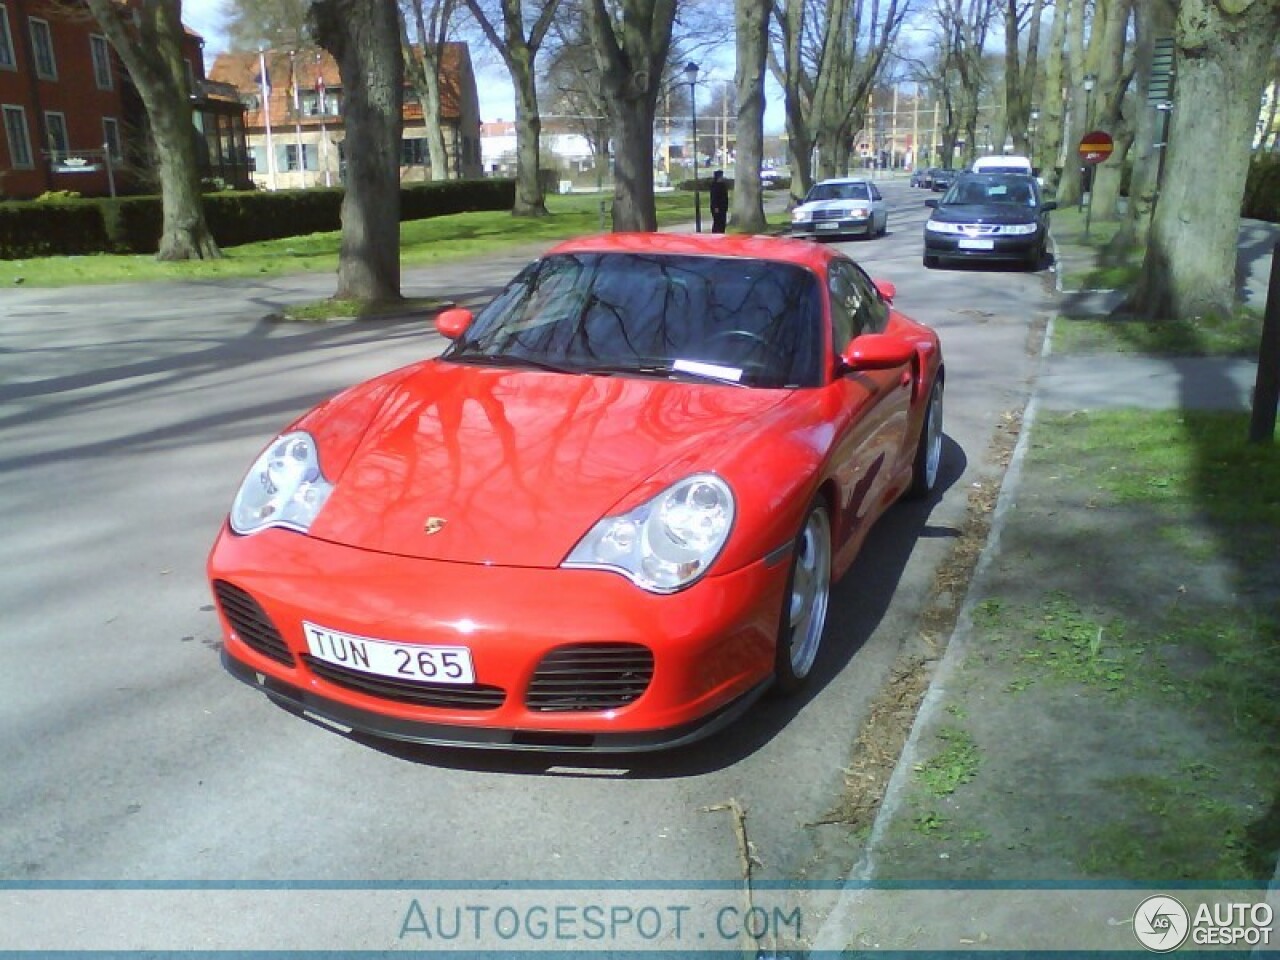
x: 484, y: 465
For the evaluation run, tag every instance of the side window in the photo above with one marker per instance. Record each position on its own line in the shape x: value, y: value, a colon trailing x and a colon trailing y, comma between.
x: 873, y: 314
x: 875, y: 193
x: 846, y: 301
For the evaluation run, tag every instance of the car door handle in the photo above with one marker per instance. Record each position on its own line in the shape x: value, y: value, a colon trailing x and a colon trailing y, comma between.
x: 905, y: 380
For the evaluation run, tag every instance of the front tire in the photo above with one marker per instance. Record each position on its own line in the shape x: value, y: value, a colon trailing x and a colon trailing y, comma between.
x: 930, y: 261
x: 924, y: 469
x: 804, y: 605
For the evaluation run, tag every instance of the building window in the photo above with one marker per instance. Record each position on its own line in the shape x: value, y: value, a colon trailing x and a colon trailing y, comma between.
x: 413, y: 153
x: 15, y: 131
x: 55, y: 125
x: 101, y: 61
x: 6, y: 41
x: 292, y: 160
x: 191, y: 78
x: 111, y: 137
x: 42, y: 42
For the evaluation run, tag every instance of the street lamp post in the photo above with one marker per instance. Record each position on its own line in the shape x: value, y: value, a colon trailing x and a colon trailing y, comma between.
x: 691, y: 73
x: 1086, y: 190
x: 1031, y: 134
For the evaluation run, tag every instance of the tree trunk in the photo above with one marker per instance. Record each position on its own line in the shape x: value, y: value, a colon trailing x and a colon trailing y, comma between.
x: 799, y: 143
x: 1113, y: 82
x: 1019, y: 83
x: 631, y: 52
x: 424, y: 75
x: 1071, y: 185
x: 364, y: 38
x: 1052, y: 115
x: 530, y: 201
x: 1155, y: 19
x: 150, y: 45
x: 751, y: 19
x: 1222, y: 61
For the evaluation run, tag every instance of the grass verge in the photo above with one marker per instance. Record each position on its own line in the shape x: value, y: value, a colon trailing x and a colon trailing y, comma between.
x: 435, y: 240
x: 1236, y: 336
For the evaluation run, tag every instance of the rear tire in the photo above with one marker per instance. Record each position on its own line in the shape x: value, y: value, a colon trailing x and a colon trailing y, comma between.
x: 924, y: 468
x: 804, y: 605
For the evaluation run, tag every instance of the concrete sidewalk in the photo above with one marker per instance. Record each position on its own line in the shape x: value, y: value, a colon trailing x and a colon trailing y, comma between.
x: 1013, y: 777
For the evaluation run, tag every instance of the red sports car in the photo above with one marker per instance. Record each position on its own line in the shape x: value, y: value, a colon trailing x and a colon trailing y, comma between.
x: 608, y: 516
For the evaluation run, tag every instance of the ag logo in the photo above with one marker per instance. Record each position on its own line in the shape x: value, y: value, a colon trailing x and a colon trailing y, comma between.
x: 1161, y: 923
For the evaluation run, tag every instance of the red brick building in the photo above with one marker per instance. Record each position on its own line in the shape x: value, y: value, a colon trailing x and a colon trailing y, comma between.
x: 72, y: 119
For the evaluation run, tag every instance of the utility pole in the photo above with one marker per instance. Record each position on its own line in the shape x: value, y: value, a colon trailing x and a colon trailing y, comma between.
x: 937, y: 128
x: 893, y: 137
x: 915, y: 128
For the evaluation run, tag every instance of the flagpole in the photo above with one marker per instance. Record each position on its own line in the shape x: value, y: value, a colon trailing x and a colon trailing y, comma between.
x: 297, y: 119
x: 322, y: 104
x: 264, y: 84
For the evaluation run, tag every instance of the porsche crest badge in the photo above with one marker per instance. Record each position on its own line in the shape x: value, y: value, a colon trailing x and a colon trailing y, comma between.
x: 434, y: 525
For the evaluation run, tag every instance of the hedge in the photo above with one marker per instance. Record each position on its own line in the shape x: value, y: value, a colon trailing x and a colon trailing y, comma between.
x: 1262, y: 189
x: 133, y: 224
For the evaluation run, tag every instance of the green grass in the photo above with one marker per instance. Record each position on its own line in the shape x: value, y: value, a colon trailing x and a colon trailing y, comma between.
x: 319, y: 311
x: 1186, y: 461
x: 954, y: 765
x: 1089, y: 265
x: 435, y: 240
x: 1236, y: 335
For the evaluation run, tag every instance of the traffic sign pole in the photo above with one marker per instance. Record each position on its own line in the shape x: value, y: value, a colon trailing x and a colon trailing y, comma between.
x: 1094, y: 148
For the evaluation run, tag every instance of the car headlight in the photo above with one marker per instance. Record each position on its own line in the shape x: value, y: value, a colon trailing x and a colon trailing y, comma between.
x: 1018, y: 229
x: 937, y: 226
x: 799, y: 216
x: 283, y: 488
x: 858, y: 212
x: 666, y: 543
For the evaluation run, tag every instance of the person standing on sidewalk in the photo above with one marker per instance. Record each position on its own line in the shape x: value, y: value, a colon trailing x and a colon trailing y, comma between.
x: 719, y: 202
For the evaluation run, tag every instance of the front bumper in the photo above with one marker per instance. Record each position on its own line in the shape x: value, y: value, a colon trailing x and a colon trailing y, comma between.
x: 712, y: 645
x: 949, y: 246
x: 831, y: 228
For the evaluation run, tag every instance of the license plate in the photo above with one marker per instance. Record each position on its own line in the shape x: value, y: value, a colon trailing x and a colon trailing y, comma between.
x: 827, y: 226
x: 977, y: 244
x: 403, y: 661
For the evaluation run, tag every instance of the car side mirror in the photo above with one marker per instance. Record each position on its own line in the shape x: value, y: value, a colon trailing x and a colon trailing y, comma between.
x: 888, y: 289
x: 453, y: 323
x: 1049, y: 205
x: 876, y: 351
x: 932, y: 202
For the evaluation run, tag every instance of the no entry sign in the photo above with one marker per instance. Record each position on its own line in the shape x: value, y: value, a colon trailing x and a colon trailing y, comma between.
x: 1095, y: 147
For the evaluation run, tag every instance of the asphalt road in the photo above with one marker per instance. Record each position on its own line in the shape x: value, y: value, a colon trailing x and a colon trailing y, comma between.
x: 127, y: 417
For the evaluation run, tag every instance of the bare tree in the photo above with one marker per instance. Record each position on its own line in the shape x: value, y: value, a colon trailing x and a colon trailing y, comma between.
x: 631, y: 43
x: 752, y: 20
x: 364, y: 37
x: 1223, y: 54
x: 148, y: 38
x: 1020, y: 75
x: 423, y: 70
x: 518, y: 52
x: 1051, y: 131
x: 274, y: 24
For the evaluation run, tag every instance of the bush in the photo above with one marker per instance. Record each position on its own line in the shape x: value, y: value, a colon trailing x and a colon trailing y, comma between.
x: 57, y: 196
x: 1262, y: 189
x: 55, y: 226
x: 50, y: 228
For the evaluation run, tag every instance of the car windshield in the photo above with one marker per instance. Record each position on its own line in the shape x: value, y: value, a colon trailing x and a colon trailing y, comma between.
x: 838, y: 191
x: 750, y: 322
x: 993, y: 189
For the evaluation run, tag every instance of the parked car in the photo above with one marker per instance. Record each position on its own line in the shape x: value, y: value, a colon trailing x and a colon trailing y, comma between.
x: 941, y: 179
x: 1003, y: 164
x: 608, y: 516
x: 989, y: 216
x: 920, y: 177
x: 841, y: 206
x: 769, y: 177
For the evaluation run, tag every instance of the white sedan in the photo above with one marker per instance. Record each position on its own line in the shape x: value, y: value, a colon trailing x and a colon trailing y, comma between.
x: 840, y: 206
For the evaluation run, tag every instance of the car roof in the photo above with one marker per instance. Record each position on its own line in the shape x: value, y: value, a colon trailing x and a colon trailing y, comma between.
x: 803, y: 253
x: 842, y: 180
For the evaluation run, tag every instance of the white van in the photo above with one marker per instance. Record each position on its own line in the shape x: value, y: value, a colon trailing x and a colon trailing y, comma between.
x: 1002, y: 165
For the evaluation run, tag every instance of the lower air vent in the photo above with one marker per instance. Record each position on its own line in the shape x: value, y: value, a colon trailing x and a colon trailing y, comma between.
x: 251, y: 623
x: 448, y: 696
x: 590, y: 676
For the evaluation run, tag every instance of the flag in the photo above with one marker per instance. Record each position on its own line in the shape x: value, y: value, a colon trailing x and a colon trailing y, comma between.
x: 293, y: 87
x: 263, y: 79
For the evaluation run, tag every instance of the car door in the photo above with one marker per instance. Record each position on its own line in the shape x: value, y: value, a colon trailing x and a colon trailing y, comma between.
x: 879, y: 211
x: 874, y: 405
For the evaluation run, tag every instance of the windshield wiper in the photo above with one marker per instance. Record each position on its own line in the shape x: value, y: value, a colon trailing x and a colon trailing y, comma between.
x: 663, y: 370
x: 511, y: 360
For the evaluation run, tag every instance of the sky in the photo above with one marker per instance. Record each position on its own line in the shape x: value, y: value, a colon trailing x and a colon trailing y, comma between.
x: 497, y: 100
